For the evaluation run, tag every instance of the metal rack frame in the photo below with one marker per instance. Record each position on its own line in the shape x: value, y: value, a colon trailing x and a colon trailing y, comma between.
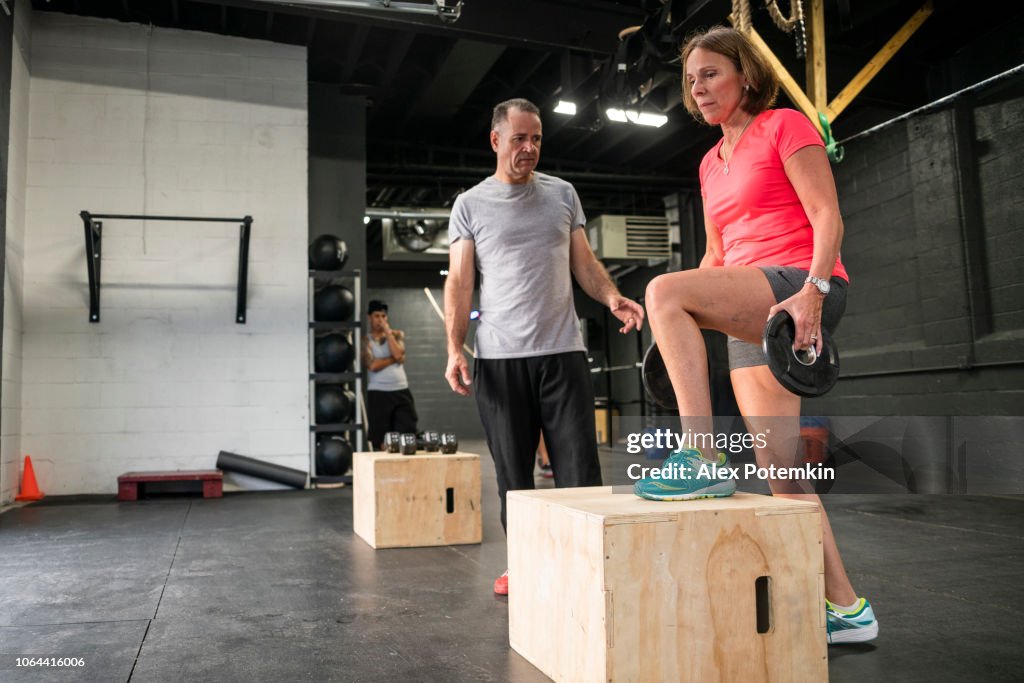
x: 355, y: 376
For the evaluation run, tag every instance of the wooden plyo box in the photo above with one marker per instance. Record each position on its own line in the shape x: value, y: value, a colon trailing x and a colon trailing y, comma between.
x: 406, y: 501
x: 609, y: 587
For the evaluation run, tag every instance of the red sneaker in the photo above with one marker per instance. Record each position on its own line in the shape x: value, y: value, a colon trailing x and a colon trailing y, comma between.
x: 501, y: 584
x: 545, y: 470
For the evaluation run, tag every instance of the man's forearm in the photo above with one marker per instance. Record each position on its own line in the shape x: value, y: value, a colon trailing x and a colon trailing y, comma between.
x: 595, y: 281
x: 456, y: 313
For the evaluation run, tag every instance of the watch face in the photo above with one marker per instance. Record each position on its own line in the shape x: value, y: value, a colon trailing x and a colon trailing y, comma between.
x: 824, y: 286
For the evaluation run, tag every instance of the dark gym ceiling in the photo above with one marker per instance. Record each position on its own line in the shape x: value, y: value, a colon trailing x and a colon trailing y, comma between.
x: 430, y: 86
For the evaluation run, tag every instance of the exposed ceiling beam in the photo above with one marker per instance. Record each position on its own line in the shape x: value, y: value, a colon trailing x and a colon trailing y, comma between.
x: 435, y: 173
x: 477, y: 127
x: 310, y: 29
x: 399, y: 49
x: 353, y: 51
x: 689, y: 154
x: 700, y: 14
x: 415, y: 98
x: 528, y: 68
x: 523, y: 23
x: 587, y: 135
x: 669, y: 135
x: 480, y: 155
x: 458, y: 77
x: 616, y: 134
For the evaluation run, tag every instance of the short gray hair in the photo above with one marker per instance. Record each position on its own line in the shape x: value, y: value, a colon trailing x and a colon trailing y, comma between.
x: 501, y: 110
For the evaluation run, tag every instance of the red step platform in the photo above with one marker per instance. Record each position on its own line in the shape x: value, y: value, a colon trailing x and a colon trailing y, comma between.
x: 128, y: 483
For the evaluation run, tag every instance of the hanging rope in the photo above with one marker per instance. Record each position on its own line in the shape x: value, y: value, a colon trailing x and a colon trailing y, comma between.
x: 741, y: 15
x: 786, y: 24
x: 794, y: 22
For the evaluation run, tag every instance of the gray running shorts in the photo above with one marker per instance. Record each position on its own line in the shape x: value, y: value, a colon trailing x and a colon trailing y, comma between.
x: 786, y: 281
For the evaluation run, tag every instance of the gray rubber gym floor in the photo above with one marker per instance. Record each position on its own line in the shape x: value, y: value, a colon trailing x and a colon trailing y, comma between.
x: 276, y: 587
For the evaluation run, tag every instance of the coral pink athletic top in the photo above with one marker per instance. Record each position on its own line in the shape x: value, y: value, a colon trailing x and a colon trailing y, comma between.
x: 754, y: 206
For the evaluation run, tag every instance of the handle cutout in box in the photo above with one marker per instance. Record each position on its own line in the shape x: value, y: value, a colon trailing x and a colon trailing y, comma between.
x: 450, y: 502
x: 763, y: 601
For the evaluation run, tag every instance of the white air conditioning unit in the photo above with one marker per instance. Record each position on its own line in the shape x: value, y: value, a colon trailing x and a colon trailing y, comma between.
x: 630, y: 238
x: 414, y: 239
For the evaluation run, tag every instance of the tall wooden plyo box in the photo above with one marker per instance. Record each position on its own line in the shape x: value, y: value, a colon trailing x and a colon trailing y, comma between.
x: 606, y: 586
x: 405, y: 501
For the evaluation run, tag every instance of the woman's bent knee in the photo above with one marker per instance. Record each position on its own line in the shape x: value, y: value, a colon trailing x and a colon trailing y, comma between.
x: 664, y: 291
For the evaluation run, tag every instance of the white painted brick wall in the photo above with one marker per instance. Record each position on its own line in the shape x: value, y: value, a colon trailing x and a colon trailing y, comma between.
x: 17, y: 164
x: 129, y: 119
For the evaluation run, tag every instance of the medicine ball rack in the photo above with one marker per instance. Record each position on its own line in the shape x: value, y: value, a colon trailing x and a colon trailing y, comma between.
x: 94, y: 249
x: 355, y: 376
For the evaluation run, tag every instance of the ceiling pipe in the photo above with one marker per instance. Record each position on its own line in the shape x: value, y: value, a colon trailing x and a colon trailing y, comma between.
x: 446, y: 11
x: 408, y: 212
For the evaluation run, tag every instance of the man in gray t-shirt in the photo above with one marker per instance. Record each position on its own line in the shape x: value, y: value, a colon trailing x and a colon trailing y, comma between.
x: 523, y: 231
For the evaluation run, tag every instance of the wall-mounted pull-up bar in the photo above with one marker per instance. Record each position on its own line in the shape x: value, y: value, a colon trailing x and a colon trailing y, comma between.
x: 93, y: 250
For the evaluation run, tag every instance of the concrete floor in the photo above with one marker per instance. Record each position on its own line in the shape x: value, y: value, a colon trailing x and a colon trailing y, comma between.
x: 275, y: 586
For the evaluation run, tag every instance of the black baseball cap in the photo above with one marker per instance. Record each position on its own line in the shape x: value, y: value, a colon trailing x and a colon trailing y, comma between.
x: 376, y: 305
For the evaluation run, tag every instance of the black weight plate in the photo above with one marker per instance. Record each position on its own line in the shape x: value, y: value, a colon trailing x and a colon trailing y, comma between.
x: 656, y: 380
x: 810, y: 380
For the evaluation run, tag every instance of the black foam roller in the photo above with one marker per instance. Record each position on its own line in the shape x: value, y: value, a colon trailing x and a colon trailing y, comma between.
x: 232, y: 462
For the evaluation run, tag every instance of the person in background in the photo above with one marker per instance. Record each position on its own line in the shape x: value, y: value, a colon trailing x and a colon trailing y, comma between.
x: 389, y: 403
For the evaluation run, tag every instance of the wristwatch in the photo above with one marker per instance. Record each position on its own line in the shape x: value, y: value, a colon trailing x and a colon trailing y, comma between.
x: 823, y: 285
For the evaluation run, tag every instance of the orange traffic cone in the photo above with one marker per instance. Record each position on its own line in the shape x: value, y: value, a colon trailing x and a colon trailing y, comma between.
x: 29, y: 488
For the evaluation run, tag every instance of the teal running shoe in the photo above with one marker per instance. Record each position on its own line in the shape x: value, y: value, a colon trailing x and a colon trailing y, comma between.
x: 854, y: 626
x: 685, y: 480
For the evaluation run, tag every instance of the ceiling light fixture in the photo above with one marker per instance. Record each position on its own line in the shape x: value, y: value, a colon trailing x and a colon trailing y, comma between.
x: 640, y: 118
x: 616, y: 115
x: 643, y: 118
x: 566, y: 107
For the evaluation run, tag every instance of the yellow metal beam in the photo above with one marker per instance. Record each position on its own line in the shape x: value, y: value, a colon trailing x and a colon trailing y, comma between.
x: 788, y: 83
x: 814, y: 17
x: 876, y: 63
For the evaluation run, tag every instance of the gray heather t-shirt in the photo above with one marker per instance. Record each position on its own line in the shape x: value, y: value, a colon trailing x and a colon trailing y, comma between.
x: 520, y: 237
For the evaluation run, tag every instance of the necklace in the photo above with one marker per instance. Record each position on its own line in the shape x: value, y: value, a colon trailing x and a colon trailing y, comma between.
x: 733, y: 150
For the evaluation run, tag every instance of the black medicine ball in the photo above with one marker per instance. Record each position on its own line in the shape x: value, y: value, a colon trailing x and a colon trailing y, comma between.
x: 333, y: 303
x: 333, y: 455
x: 327, y: 252
x: 334, y: 404
x: 333, y: 353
